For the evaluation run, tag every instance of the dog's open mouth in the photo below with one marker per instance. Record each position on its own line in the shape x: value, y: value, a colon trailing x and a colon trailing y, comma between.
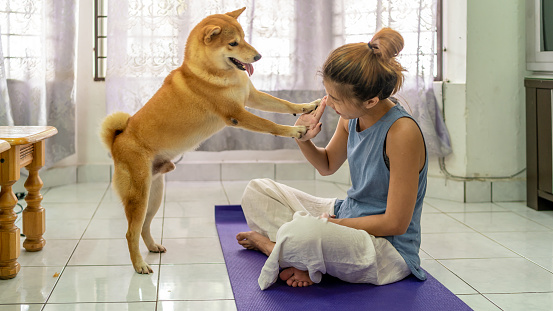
x: 242, y: 66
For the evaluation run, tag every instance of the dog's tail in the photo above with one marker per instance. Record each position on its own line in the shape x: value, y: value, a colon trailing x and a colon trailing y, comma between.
x: 113, y: 125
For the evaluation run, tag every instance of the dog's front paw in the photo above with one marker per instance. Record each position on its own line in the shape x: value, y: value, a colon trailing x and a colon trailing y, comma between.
x: 308, y: 107
x: 298, y: 131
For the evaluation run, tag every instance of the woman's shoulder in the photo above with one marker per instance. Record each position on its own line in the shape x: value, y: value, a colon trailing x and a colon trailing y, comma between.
x: 405, y: 139
x: 404, y: 127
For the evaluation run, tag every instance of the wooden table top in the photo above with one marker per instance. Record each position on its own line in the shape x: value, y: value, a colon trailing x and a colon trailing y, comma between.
x: 23, y: 135
x: 4, y: 145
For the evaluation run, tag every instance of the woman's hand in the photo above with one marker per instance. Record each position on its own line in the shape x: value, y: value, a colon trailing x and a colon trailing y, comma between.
x: 328, y: 217
x: 311, y: 121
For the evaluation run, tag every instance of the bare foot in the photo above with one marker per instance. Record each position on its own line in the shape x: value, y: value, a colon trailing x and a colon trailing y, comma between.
x: 295, y: 277
x: 254, y: 240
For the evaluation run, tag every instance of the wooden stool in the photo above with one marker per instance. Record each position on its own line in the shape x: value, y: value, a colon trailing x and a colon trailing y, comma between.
x: 27, y: 150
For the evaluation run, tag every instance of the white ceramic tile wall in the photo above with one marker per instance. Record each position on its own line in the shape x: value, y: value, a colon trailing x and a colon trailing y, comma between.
x: 234, y: 170
x: 478, y: 191
x: 447, y: 189
x: 474, y: 191
x: 509, y: 191
x: 94, y: 173
x: 195, y: 172
x: 247, y: 171
x: 294, y: 171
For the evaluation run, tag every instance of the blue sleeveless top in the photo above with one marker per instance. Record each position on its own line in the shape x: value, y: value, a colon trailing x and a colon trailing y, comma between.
x: 370, y: 178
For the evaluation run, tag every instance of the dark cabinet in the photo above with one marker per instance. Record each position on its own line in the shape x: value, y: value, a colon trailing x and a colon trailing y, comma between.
x: 539, y: 137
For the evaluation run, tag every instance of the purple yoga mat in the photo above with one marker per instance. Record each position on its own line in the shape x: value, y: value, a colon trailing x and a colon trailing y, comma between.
x: 331, y: 293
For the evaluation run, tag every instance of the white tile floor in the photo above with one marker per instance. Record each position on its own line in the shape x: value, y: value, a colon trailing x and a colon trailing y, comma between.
x: 494, y: 256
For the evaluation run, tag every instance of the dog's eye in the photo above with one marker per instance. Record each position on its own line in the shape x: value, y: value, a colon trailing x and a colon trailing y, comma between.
x: 233, y: 43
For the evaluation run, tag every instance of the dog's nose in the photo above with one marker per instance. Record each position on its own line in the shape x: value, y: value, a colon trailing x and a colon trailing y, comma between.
x: 257, y: 57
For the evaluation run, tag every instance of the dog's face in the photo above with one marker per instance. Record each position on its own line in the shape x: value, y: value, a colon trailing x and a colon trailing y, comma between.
x: 223, y: 39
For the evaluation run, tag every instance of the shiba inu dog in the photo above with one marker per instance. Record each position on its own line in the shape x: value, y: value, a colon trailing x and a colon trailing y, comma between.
x: 208, y: 92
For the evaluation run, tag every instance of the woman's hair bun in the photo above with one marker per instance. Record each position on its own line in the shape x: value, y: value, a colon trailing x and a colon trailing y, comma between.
x: 386, y: 43
x: 375, y: 73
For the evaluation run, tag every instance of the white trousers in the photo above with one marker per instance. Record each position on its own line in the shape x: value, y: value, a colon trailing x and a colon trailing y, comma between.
x: 304, y: 241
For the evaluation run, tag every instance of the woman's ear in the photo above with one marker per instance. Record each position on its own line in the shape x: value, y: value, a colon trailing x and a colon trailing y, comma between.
x: 368, y: 104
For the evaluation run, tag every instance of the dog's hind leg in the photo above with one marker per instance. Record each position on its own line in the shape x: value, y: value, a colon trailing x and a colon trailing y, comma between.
x: 154, y: 202
x: 133, y: 184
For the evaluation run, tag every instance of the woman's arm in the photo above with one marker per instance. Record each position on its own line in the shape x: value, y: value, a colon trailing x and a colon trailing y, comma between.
x: 326, y: 160
x: 405, y: 149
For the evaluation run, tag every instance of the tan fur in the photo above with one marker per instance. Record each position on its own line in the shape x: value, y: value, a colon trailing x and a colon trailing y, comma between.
x: 113, y: 125
x: 196, y: 100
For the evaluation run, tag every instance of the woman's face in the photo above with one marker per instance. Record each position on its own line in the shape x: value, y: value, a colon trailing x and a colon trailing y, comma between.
x: 346, y: 108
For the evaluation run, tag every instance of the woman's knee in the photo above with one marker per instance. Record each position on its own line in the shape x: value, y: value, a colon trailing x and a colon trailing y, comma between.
x: 256, y: 186
x: 251, y: 193
x: 256, y: 190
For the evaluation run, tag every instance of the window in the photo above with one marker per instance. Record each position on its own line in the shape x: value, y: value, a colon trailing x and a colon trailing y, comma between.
x: 352, y: 25
x: 20, y: 32
x: 355, y: 27
x: 100, y: 39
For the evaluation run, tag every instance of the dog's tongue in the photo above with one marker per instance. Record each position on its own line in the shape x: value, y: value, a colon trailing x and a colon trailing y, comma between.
x: 249, y: 69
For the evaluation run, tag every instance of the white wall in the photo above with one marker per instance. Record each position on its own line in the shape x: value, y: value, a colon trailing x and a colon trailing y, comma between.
x: 484, y: 100
x: 453, y: 89
x: 484, y: 94
x: 90, y: 95
x: 495, y: 87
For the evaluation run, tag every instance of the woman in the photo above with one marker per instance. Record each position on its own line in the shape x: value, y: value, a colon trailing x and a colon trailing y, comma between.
x: 373, y: 236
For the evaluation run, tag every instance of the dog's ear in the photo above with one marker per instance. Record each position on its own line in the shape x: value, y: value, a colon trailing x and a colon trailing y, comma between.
x: 211, y: 31
x: 236, y: 13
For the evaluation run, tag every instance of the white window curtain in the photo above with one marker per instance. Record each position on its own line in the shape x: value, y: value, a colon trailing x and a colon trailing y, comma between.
x: 37, y: 71
x: 146, y: 40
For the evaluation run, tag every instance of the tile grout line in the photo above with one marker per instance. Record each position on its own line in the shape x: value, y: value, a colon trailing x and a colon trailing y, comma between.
x: 441, y: 264
x: 491, y: 239
x: 501, y: 244
x: 74, y: 249
x: 483, y: 234
x: 467, y: 283
x: 162, y: 240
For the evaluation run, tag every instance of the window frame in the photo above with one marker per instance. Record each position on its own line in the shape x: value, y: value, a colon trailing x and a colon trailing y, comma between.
x: 439, y: 43
x: 100, y: 61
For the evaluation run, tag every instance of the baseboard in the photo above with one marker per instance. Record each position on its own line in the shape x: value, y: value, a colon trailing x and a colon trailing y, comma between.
x: 474, y: 191
x: 438, y: 187
x: 52, y: 177
x: 211, y: 170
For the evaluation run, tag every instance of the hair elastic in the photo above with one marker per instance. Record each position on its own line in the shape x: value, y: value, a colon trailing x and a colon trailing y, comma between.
x: 370, y: 46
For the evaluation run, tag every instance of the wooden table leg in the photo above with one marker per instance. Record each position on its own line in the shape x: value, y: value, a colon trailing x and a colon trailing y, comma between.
x: 9, y: 233
x: 34, y: 220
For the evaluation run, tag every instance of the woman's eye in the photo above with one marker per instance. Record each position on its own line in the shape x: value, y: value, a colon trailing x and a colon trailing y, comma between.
x: 233, y: 44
